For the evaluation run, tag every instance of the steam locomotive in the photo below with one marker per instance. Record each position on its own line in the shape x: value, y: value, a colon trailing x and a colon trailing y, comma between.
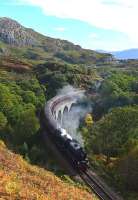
x: 72, y: 149
x: 64, y: 142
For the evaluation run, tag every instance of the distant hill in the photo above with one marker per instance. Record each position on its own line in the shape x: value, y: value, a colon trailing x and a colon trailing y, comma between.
x: 125, y: 54
x: 25, y: 43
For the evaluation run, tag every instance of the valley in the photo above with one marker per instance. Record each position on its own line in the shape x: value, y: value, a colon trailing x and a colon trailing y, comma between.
x: 33, y: 68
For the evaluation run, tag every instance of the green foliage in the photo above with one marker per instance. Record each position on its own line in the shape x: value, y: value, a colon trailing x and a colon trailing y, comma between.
x: 55, y: 75
x: 20, y: 98
x: 116, y: 90
x: 3, y: 121
x: 119, y: 84
x: 111, y: 135
x: 112, y: 146
x: 27, y: 125
x: 127, y: 170
x: 112, y: 141
x: 29, y: 97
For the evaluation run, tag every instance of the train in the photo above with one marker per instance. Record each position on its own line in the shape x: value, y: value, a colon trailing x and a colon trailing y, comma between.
x: 70, y: 147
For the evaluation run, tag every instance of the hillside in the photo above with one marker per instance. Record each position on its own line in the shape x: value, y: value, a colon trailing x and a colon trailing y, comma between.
x: 26, y: 44
x: 20, y: 180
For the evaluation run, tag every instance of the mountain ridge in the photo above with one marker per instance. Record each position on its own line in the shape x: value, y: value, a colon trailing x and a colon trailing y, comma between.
x: 16, y: 40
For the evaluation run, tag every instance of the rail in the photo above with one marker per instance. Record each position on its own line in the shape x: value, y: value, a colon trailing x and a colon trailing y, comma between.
x: 99, y: 187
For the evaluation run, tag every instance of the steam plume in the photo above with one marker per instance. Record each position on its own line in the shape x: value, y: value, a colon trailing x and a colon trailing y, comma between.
x: 71, y: 120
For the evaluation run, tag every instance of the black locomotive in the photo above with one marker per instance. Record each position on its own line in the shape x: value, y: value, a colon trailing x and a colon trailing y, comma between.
x: 72, y: 149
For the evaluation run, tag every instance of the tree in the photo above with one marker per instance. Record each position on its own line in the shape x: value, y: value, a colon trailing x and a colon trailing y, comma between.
x: 110, y: 135
x: 29, y: 97
x: 27, y: 125
x: 88, y: 120
x: 118, y: 90
x: 3, y: 121
x: 127, y: 170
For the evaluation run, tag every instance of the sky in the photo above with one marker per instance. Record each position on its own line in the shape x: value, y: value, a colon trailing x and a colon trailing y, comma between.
x: 94, y: 24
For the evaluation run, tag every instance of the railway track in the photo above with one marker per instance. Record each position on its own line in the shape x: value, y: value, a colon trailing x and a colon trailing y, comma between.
x: 98, y: 187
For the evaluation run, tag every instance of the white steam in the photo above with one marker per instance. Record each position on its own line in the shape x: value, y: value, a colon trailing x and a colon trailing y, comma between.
x: 66, y: 90
x: 71, y: 119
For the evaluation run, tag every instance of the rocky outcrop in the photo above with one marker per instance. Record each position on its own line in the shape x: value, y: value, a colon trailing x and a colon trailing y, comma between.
x: 11, y: 32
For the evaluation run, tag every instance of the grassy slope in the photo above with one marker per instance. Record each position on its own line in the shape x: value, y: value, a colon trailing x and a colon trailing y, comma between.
x: 20, y: 180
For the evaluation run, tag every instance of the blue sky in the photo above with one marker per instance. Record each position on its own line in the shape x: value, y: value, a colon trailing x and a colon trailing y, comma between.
x: 87, y: 23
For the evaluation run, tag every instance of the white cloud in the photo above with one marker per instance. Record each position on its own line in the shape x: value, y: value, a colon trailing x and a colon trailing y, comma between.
x: 117, y: 15
x: 107, y: 45
x: 60, y: 29
x: 93, y: 36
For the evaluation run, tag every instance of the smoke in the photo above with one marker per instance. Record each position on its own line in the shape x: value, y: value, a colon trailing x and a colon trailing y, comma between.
x: 71, y: 120
x: 66, y: 90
